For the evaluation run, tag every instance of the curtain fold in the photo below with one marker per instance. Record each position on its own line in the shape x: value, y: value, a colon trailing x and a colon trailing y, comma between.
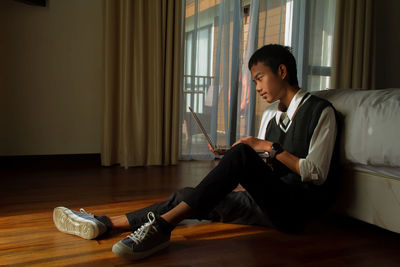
x: 142, y: 82
x: 354, y: 45
x: 220, y: 37
x: 214, y: 50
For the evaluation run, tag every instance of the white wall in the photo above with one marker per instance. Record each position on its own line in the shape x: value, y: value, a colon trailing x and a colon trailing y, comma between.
x: 51, y: 77
x: 388, y: 44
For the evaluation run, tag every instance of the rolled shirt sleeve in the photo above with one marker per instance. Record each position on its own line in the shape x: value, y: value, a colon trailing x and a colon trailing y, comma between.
x: 315, y: 167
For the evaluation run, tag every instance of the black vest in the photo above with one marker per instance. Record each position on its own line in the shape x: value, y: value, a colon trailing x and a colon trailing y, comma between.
x: 298, y: 137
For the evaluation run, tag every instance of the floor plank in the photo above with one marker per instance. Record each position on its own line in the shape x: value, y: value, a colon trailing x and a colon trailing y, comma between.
x: 28, y: 237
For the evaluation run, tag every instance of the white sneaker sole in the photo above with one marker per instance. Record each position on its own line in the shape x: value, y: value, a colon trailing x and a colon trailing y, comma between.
x: 123, y: 251
x: 67, y: 222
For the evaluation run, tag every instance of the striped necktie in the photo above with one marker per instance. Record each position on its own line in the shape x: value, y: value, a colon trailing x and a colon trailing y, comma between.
x: 284, y: 121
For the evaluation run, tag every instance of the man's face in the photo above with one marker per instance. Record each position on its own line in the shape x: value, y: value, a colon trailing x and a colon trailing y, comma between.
x: 268, y: 84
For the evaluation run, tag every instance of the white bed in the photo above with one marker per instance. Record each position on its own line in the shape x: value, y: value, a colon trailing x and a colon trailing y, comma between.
x: 370, y: 154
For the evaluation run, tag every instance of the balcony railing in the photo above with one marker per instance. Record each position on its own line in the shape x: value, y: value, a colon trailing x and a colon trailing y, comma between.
x: 195, y: 91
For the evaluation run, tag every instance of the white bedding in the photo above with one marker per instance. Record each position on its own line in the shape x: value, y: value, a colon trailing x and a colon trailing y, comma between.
x: 392, y: 172
x: 370, y: 136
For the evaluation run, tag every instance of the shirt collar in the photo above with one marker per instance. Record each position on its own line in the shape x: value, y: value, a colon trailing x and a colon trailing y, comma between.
x: 293, y: 106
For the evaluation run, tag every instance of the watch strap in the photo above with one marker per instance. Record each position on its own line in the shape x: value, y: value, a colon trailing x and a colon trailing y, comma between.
x: 276, y: 148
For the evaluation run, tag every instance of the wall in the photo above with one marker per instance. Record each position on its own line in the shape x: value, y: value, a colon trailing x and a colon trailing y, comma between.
x: 51, y: 73
x: 388, y: 44
x: 51, y: 77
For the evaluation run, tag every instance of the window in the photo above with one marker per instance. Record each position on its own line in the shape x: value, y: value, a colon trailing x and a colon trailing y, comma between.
x: 198, y: 73
x: 312, y: 40
x: 226, y: 104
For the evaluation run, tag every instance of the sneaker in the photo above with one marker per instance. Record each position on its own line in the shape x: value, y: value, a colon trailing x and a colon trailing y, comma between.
x: 145, y: 241
x: 77, y: 223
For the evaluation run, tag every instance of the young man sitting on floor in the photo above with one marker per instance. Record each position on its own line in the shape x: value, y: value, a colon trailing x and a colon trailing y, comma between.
x: 298, y: 131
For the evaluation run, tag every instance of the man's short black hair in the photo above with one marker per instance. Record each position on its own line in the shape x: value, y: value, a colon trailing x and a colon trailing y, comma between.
x: 273, y: 55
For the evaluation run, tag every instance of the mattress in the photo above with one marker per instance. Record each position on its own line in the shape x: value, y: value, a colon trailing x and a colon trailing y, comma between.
x: 370, y: 197
x: 393, y: 173
x: 370, y: 154
x: 371, y: 125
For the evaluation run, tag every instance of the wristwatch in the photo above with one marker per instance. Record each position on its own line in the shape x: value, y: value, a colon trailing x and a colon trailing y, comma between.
x: 275, y: 150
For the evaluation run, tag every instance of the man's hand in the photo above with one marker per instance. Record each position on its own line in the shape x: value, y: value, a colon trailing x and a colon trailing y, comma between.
x: 288, y: 159
x: 255, y: 143
x: 215, y: 152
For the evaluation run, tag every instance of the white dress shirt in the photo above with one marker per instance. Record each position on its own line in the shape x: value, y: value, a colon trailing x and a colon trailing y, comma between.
x: 315, y: 166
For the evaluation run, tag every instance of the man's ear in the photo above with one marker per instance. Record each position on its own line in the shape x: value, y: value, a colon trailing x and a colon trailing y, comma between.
x: 282, y: 71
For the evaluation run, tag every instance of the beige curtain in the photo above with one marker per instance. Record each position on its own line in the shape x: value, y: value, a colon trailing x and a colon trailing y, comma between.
x: 142, y: 82
x: 354, y: 45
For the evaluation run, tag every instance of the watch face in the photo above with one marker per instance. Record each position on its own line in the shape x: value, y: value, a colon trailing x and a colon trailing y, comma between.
x: 275, y: 146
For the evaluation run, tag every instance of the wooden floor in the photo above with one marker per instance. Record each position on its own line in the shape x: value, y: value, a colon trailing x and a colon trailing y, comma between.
x: 31, y: 188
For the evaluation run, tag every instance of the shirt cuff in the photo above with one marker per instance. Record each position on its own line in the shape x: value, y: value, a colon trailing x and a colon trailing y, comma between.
x: 308, y: 171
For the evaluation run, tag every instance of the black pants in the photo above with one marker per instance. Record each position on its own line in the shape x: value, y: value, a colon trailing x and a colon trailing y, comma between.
x: 267, y: 201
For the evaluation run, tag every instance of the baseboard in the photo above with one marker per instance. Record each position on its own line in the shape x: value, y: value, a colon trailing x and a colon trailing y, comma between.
x: 38, y: 161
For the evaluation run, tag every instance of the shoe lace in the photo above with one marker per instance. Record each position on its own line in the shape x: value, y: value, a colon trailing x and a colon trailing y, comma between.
x: 141, y: 233
x: 81, y: 210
